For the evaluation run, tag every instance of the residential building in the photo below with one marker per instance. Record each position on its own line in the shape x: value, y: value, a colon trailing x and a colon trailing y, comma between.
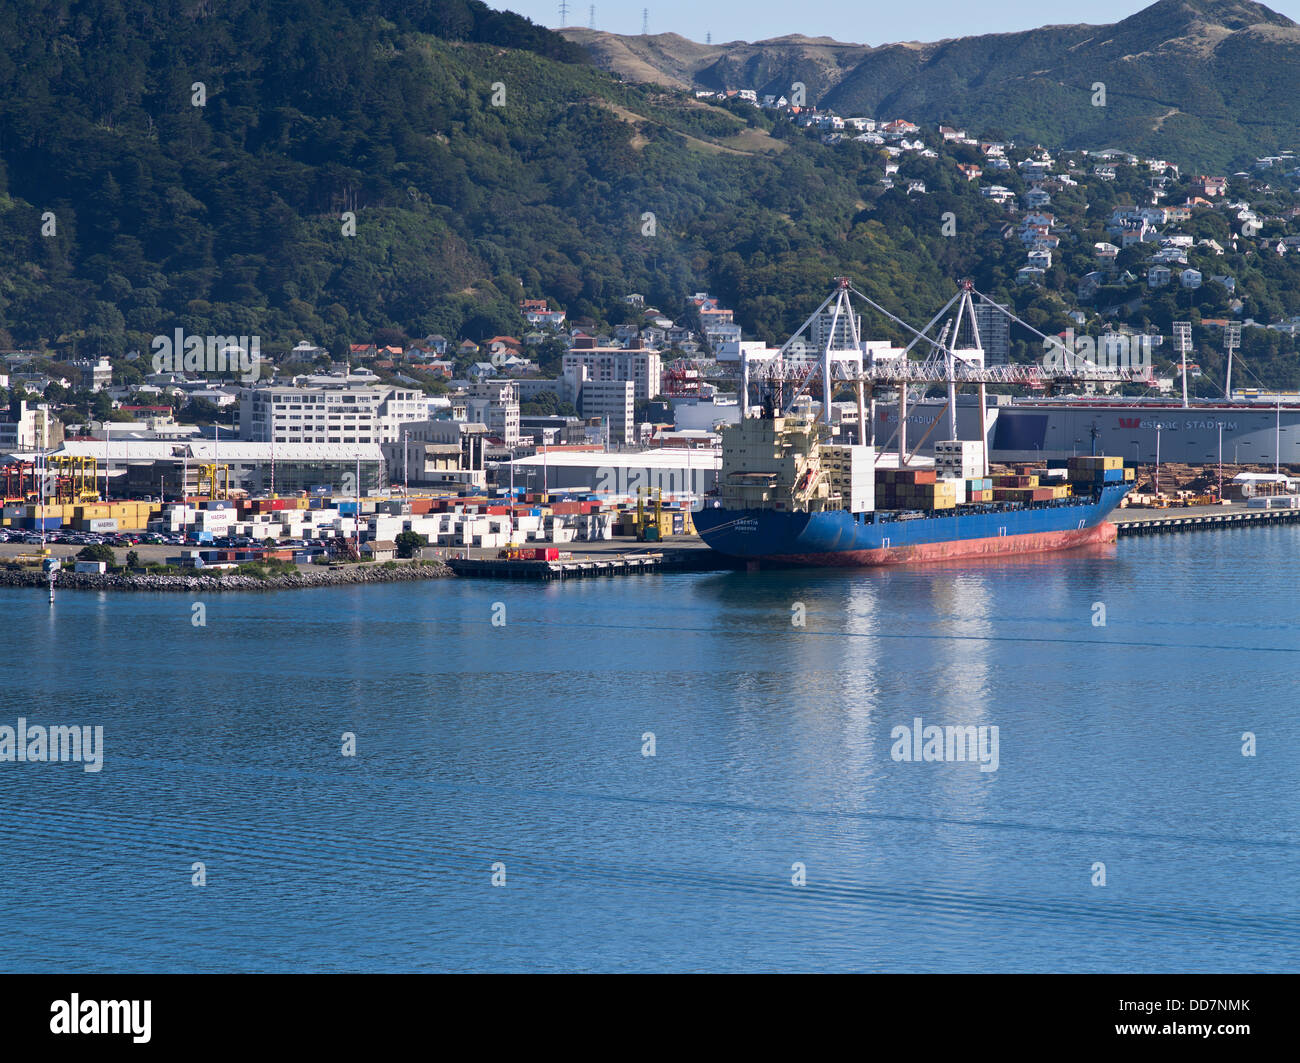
x: 92, y: 373
x: 538, y: 312
x: 1090, y: 284
x: 30, y: 426
x: 495, y: 403
x: 995, y: 333
x: 614, y: 401
x: 585, y: 361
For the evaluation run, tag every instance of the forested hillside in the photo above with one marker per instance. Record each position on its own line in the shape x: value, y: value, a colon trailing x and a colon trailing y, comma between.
x: 481, y: 160
x: 126, y: 210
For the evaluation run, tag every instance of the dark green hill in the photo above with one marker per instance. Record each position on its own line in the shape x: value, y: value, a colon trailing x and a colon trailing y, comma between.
x: 228, y: 218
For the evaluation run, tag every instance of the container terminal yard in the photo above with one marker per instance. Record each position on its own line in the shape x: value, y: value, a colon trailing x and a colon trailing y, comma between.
x: 558, y: 534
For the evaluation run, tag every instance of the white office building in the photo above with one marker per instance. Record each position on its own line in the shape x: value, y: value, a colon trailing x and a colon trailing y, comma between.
x: 328, y: 410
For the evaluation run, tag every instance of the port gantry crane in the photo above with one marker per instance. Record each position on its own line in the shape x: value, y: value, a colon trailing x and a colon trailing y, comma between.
x: 840, y: 361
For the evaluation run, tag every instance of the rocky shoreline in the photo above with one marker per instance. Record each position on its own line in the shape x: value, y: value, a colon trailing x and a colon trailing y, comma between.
x: 228, y: 580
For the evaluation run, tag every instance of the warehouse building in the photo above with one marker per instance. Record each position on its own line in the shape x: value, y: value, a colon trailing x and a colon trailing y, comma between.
x: 672, y: 470
x: 170, y: 467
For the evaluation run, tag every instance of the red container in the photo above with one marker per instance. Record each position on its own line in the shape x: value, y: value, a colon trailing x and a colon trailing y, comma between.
x: 546, y: 553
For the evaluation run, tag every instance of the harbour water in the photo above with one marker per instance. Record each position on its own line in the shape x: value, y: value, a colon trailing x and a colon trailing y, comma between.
x: 521, y: 744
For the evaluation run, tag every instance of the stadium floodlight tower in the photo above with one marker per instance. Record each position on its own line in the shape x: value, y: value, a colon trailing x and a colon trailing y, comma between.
x: 1231, y: 341
x: 1183, y: 344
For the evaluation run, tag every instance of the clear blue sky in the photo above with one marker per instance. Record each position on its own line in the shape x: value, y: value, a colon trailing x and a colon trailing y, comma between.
x: 918, y: 20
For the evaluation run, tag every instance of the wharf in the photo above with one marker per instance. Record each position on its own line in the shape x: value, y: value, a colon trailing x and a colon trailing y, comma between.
x: 1198, y: 518
x: 575, y: 568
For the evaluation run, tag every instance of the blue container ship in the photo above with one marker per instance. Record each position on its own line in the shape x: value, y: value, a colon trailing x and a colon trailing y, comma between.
x: 794, y: 490
x: 838, y: 537
x: 788, y: 498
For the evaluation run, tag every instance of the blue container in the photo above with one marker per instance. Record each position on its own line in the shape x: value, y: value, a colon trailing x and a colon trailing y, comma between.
x: 1113, y: 476
x: 347, y: 509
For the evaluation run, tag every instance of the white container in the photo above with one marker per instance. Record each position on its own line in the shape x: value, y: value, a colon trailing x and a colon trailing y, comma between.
x: 97, y: 567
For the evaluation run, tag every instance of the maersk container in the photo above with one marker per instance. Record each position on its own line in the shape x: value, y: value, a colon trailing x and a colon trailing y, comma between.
x: 101, y: 525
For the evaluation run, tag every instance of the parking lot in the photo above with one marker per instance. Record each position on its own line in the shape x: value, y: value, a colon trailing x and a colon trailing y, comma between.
x: 150, y: 547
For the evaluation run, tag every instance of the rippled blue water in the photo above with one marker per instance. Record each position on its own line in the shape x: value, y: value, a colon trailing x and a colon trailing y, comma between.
x: 523, y: 744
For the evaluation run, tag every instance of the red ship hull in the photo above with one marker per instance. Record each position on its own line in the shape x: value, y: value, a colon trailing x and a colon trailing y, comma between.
x: 998, y: 546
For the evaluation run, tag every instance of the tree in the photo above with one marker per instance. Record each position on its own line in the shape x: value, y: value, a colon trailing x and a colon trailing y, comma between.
x: 132, y: 559
x: 201, y: 411
x: 97, y: 552
x: 409, y: 543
